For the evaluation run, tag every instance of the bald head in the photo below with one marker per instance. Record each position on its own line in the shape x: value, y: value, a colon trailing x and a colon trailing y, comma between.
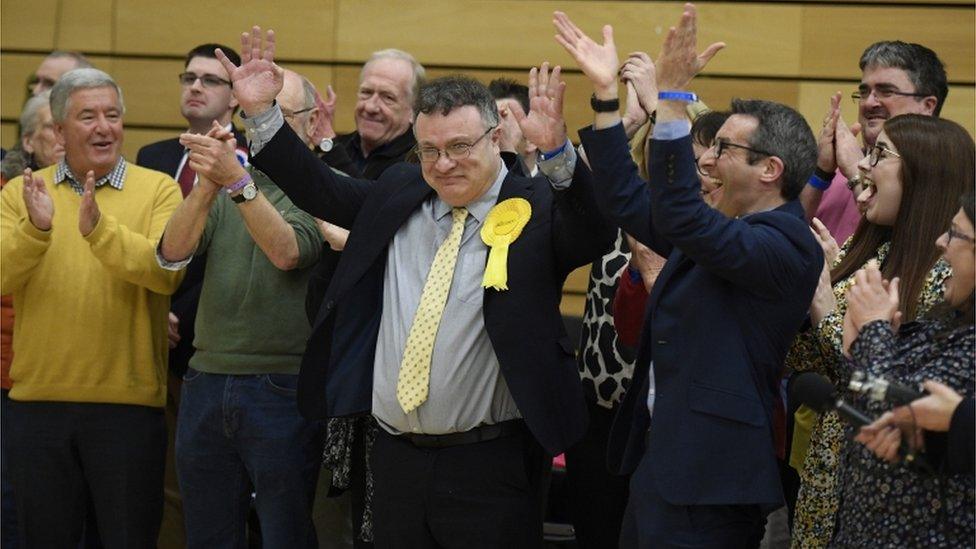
x: 297, y: 102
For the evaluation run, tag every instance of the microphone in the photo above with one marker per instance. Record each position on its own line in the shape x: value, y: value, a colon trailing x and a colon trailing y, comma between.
x: 817, y: 392
x: 879, y: 389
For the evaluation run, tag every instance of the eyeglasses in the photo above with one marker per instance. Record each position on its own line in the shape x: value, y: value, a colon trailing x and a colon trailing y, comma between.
x: 455, y: 151
x: 698, y: 167
x: 208, y: 80
x: 722, y: 144
x: 953, y: 233
x: 862, y: 94
x: 879, y: 152
x: 288, y: 114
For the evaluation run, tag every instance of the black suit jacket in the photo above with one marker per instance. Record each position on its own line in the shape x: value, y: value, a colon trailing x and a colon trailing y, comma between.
x: 523, y: 323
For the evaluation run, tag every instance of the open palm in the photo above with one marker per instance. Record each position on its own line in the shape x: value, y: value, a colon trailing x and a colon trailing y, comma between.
x: 258, y: 80
x: 544, y: 125
x: 599, y: 62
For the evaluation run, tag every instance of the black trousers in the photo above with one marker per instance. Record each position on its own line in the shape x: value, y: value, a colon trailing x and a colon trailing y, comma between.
x: 60, y: 452
x: 652, y: 522
x: 485, y: 494
x: 597, y: 498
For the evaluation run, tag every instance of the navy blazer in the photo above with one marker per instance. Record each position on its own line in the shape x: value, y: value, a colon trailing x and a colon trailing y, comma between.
x: 523, y: 323
x: 719, y: 321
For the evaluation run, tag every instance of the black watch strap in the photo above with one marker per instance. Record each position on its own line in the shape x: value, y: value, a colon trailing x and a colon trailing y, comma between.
x: 599, y: 105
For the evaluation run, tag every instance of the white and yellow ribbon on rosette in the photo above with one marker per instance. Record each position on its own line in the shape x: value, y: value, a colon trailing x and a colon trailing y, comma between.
x: 502, y: 226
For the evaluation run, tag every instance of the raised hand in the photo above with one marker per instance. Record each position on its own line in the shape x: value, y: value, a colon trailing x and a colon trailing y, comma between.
x: 634, y: 115
x: 847, y: 149
x: 544, y: 125
x: 679, y: 60
x: 258, y: 80
x: 826, y: 160
x: 824, y: 301
x: 325, y: 122
x: 870, y: 298
x: 509, y: 133
x: 88, y: 212
x: 826, y: 241
x: 639, y: 71
x: 40, y: 206
x: 599, y: 63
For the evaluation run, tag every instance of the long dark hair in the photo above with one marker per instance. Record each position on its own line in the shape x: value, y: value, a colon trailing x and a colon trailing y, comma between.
x: 938, y: 164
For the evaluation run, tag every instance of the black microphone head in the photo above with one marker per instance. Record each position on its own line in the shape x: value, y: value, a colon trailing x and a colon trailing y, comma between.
x: 814, y: 390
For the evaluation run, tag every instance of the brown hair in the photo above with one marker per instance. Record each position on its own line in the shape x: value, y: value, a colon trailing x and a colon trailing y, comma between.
x: 938, y: 161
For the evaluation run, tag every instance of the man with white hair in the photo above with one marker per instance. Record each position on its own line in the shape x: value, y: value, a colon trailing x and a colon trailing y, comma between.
x: 89, y: 372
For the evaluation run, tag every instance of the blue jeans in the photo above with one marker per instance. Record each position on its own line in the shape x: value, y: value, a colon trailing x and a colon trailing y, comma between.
x: 236, y: 433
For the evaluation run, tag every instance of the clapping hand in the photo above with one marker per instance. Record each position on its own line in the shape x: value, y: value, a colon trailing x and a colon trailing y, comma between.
x: 258, y: 80
x: 870, y: 298
x: 40, y: 206
x: 88, y: 212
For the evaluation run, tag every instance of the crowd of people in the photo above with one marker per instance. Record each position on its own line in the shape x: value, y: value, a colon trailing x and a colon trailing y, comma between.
x: 383, y: 307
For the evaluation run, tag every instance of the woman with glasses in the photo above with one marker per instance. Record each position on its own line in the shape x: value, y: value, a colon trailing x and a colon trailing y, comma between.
x: 912, y: 176
x: 893, y: 503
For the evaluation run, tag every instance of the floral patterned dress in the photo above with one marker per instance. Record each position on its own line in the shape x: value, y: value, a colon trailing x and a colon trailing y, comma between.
x: 819, y: 350
x: 892, y: 505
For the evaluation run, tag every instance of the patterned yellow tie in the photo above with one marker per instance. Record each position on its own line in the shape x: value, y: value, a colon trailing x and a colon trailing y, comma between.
x: 414, y: 378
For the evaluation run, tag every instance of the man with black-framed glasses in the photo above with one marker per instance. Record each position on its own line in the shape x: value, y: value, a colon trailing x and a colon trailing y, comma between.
x: 442, y: 320
x: 896, y: 78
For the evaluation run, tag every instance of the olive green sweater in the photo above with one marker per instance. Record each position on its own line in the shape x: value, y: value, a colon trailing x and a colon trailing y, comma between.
x: 251, y: 317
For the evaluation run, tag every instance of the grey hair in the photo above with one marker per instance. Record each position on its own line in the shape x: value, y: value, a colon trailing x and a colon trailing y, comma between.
x: 419, y: 74
x: 784, y: 133
x: 28, y: 116
x: 79, y: 79
x: 81, y: 62
x: 447, y: 93
x: 309, y: 90
x: 922, y: 65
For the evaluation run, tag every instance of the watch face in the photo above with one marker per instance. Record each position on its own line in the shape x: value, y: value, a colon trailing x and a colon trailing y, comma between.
x: 250, y: 191
x: 325, y: 145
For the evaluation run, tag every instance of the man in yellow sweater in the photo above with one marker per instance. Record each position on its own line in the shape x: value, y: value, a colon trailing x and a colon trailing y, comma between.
x: 89, y: 371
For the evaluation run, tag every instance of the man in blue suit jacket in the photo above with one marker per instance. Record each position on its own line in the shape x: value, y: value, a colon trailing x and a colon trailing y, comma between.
x: 464, y: 466
x: 695, y: 428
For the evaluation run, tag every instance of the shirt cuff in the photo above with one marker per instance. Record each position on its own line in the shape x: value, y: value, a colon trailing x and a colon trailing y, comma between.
x: 260, y: 128
x: 559, y: 169
x: 170, y: 265
x: 671, y: 130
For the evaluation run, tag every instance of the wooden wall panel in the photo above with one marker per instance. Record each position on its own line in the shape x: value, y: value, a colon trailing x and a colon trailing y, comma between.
x: 305, y: 27
x: 834, y: 37
x: 638, y: 26
x: 152, y: 91
x: 28, y: 24
x: 85, y: 26
x: 8, y: 134
x: 16, y: 71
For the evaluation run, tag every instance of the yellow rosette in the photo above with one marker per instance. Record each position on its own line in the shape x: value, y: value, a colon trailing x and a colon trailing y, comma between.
x: 502, y: 226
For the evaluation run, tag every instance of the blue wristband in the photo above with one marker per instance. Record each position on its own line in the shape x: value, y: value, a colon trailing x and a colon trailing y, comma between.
x: 818, y: 183
x: 677, y: 96
x: 239, y: 184
x: 634, y: 274
x: 548, y: 155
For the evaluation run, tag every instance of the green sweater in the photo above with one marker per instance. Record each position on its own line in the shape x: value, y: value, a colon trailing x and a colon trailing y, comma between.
x: 251, y: 317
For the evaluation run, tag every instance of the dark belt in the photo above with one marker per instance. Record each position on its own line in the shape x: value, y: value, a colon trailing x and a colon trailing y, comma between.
x: 478, y: 434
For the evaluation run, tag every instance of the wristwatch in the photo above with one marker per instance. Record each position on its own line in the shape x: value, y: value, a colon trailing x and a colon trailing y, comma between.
x: 854, y: 182
x: 325, y: 145
x: 248, y: 193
